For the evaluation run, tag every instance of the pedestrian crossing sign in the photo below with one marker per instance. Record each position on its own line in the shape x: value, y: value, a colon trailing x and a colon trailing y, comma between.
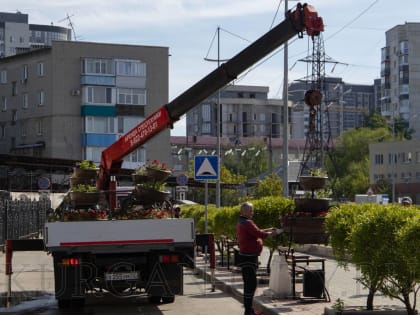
x: 206, y: 167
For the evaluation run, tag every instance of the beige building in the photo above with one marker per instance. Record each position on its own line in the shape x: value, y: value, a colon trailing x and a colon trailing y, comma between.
x: 398, y: 163
x: 74, y: 99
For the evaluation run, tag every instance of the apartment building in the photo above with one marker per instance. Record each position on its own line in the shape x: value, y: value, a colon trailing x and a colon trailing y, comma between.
x: 400, y: 75
x: 18, y: 36
x: 74, y: 99
x: 344, y: 106
x: 245, y: 111
x: 398, y: 163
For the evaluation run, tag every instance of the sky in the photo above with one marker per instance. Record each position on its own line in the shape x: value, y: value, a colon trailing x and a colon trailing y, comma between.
x: 354, y: 34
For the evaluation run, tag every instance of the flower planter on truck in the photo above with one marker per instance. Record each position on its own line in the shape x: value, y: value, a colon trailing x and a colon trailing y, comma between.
x: 131, y: 257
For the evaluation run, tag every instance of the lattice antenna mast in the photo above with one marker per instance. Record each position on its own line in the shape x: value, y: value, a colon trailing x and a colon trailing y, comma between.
x: 70, y: 24
x: 318, y: 129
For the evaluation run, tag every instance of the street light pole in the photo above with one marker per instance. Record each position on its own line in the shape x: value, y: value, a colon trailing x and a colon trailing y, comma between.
x: 394, y: 157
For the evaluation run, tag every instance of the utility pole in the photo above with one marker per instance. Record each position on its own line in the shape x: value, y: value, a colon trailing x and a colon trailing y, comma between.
x: 218, y: 121
x: 218, y: 124
x: 285, y: 116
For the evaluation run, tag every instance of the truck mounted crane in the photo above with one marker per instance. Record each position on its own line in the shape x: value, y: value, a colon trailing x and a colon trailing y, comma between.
x: 304, y: 18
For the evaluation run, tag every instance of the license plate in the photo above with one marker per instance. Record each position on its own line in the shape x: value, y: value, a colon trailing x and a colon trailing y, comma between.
x: 117, y: 276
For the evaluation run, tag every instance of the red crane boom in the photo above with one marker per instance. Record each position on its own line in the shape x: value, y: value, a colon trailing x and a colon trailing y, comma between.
x: 303, y: 18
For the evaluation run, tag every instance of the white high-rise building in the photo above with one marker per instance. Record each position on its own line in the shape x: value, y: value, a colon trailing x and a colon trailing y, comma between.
x: 400, y: 75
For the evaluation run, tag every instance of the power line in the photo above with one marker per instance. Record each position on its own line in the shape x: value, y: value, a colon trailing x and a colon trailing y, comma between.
x: 353, y: 20
x: 275, y: 15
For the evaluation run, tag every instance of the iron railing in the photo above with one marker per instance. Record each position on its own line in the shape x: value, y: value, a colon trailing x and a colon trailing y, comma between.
x: 22, y: 219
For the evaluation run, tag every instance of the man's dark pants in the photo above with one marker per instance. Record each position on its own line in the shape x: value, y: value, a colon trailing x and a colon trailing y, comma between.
x: 249, y: 265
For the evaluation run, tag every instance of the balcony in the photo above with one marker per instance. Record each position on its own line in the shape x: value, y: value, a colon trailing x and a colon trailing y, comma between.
x: 97, y: 80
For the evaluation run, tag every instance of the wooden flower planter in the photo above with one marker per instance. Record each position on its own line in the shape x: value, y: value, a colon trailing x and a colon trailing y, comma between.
x: 312, y: 204
x: 149, y: 196
x: 312, y: 182
x: 85, y: 173
x: 84, y: 198
x: 138, y: 179
x: 74, y: 181
x: 305, y: 229
x: 157, y: 175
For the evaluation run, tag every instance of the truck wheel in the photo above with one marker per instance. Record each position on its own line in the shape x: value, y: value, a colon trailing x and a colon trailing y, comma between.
x: 66, y: 303
x: 78, y: 302
x: 154, y: 299
x: 168, y: 299
x: 63, y: 303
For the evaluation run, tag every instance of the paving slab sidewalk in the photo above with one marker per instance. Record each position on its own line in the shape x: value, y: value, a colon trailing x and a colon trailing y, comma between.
x: 340, y: 284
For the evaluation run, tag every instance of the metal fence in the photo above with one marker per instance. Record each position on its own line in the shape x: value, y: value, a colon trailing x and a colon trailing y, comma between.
x: 22, y: 219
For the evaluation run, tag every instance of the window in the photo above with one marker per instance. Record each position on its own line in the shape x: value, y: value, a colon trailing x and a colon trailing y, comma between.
x: 390, y: 158
x: 132, y: 68
x: 25, y: 72
x: 379, y: 159
x: 418, y: 157
x: 25, y: 101
x: 404, y: 47
x: 4, y: 103
x: 39, y: 127
x: 14, y: 88
x: 2, y: 131
x: 132, y: 96
x: 23, y: 131
x: 14, y: 116
x: 403, y: 60
x: 40, y: 69
x: 205, y: 113
x: 96, y: 124
x: 94, y: 153
x: 99, y: 95
x: 205, y: 128
x: 98, y: 66
x: 41, y: 98
x: 138, y: 156
x: 3, y: 77
x: 125, y: 124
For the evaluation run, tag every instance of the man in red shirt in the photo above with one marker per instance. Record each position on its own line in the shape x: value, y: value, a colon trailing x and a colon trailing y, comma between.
x: 250, y: 241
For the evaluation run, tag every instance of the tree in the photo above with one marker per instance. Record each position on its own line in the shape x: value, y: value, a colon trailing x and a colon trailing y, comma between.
x: 386, y: 258
x: 399, y: 127
x: 375, y: 121
x: 382, y: 242
x: 271, y: 185
x: 228, y: 196
x: 249, y: 161
x: 347, y: 163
